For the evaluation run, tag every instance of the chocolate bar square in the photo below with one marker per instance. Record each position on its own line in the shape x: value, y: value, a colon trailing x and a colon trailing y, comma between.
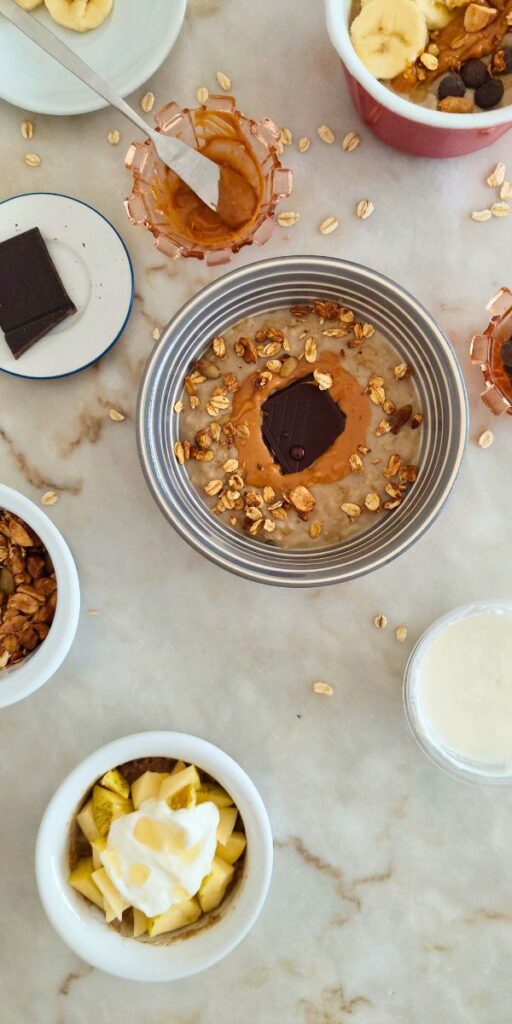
x: 33, y: 299
x: 300, y: 423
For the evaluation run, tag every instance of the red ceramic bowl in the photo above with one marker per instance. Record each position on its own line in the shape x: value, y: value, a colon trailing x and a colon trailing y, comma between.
x: 397, y: 121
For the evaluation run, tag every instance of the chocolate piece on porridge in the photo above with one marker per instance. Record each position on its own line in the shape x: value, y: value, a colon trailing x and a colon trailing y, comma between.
x: 300, y: 422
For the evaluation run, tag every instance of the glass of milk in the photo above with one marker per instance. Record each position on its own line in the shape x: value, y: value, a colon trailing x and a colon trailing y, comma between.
x: 458, y: 692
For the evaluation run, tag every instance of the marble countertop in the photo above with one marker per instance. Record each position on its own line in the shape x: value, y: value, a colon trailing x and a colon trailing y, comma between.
x: 391, y: 899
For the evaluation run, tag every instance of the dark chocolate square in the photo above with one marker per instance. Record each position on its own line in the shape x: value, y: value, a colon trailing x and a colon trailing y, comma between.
x: 300, y: 423
x: 32, y: 296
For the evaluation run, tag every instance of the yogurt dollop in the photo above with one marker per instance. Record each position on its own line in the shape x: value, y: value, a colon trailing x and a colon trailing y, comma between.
x: 157, y: 857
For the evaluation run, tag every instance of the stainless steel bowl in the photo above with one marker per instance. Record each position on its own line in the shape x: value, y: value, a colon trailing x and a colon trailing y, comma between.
x: 261, y: 288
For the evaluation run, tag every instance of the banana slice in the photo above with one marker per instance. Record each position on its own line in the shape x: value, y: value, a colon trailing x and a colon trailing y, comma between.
x: 436, y: 12
x: 388, y: 35
x: 79, y: 15
x: 29, y: 5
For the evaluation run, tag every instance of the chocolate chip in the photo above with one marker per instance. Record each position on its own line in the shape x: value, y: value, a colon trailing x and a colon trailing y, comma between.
x: 297, y: 453
x: 501, y: 61
x: 474, y: 73
x: 489, y: 94
x: 451, y: 85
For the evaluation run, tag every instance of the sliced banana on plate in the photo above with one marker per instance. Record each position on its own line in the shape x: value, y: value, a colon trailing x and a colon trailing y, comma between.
x: 79, y: 15
x: 29, y: 5
x: 389, y: 35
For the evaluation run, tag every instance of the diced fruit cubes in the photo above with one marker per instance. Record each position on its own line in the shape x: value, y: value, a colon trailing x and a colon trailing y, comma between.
x: 171, y: 786
x: 215, y: 794
x: 140, y: 923
x: 234, y: 847
x: 147, y: 787
x: 109, y: 891
x: 178, y: 916
x: 213, y: 888
x: 227, y: 822
x: 87, y: 823
x: 81, y: 879
x: 106, y: 806
x: 116, y: 782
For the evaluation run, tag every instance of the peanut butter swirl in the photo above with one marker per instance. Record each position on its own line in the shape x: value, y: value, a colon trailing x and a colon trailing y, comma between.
x: 259, y: 468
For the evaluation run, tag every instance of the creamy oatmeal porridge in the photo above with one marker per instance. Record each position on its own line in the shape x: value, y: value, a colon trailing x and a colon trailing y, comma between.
x: 300, y: 427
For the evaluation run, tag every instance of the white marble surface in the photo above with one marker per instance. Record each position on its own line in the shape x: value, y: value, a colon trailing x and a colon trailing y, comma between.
x: 391, y: 900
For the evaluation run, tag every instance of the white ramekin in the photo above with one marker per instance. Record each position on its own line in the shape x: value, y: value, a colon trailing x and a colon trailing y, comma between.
x: 83, y: 927
x: 37, y: 668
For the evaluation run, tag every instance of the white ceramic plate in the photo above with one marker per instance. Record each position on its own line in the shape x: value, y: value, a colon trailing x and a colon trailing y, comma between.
x: 127, y: 49
x: 96, y: 272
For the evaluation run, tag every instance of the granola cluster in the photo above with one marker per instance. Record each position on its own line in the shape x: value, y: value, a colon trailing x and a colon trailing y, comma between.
x: 28, y: 590
x: 268, y: 355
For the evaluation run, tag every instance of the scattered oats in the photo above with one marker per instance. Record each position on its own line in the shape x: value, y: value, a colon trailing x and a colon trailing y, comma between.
x: 27, y: 129
x: 286, y: 137
x: 116, y: 416
x: 372, y: 501
x: 324, y: 380
x: 350, y: 142
x: 356, y: 463
x: 328, y: 225
x: 506, y: 190
x: 230, y: 466
x: 481, y: 215
x: 288, y: 218
x: 325, y: 689
x: 32, y: 159
x: 219, y: 347
x: 368, y: 330
x: 278, y: 148
x: 326, y: 134
x: 380, y: 621
x: 315, y: 530
x: 213, y: 487
x: 269, y: 525
x: 93, y: 611
x: 351, y: 510
x: 310, y: 350
x: 223, y: 80
x: 178, y: 406
x: 485, y: 440
x: 268, y: 494
x: 433, y: 48
x: 179, y: 452
x: 497, y: 177
x: 114, y: 137
x: 364, y: 209
x: 429, y: 61
x: 402, y: 371
x: 49, y: 498
x: 401, y: 634
x: 147, y: 102
x: 500, y: 209
x: 155, y: 333
x: 202, y: 94
x: 303, y: 144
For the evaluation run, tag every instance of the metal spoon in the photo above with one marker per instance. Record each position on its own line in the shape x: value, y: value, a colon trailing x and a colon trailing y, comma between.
x: 198, y: 172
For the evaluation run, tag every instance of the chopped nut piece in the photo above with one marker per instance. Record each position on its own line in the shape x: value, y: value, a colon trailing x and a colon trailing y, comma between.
x: 325, y: 689
x: 324, y: 380
x: 456, y: 105
x: 114, y: 137
x: 49, y: 498
x: 27, y: 129
x: 393, y: 466
x: 500, y: 209
x: 288, y: 218
x: 223, y: 80
x: 388, y: 407
x: 303, y: 144
x: 269, y: 525
x: 372, y: 501
x: 382, y: 428
x: 202, y: 94
x: 116, y: 416
x: 481, y: 215
x: 32, y: 159
x: 416, y: 420
x: 246, y: 348
x: 380, y: 621
x: 326, y: 134
x: 429, y: 61
x: 219, y: 347
x: 497, y: 177
x: 394, y: 503
x: 478, y: 16
x: 364, y: 209
x: 408, y: 474
x: 328, y: 225
x: 351, y: 510
x: 147, y: 102
x: 350, y: 142
x: 400, y: 417
x: 485, y: 440
x: 301, y: 499
x: 401, y: 634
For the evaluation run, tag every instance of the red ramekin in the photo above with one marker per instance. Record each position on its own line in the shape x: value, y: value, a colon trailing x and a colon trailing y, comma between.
x: 397, y: 121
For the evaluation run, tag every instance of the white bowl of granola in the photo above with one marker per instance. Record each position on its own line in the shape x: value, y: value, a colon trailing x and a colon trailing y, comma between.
x: 39, y: 597
x: 80, y: 914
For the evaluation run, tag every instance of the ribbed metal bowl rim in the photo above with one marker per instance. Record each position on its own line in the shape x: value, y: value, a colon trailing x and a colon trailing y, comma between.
x: 253, y: 559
